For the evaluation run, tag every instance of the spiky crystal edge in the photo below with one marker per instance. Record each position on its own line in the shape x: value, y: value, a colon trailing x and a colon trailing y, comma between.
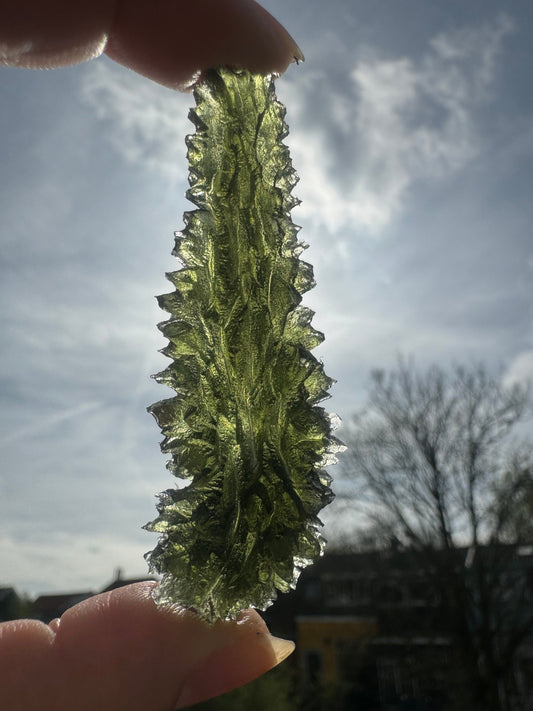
x: 245, y: 426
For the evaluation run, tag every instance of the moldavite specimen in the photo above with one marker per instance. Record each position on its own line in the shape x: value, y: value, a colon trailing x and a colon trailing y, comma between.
x: 244, y: 426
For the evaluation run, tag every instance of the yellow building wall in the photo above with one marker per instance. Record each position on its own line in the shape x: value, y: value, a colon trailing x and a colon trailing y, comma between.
x: 326, y: 634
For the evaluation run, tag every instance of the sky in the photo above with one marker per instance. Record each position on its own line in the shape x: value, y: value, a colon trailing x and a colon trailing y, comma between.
x: 411, y: 129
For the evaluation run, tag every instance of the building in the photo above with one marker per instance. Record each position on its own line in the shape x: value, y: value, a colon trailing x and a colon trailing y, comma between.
x: 378, y: 626
x: 48, y: 607
x: 10, y: 604
x: 119, y: 582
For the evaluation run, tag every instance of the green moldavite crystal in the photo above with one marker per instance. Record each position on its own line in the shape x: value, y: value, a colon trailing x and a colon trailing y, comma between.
x: 244, y: 427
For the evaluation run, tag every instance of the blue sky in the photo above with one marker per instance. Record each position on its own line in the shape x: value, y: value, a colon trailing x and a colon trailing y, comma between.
x: 411, y: 129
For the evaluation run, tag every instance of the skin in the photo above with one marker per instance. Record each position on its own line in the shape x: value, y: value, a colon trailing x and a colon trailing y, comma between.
x: 169, y: 41
x: 118, y: 651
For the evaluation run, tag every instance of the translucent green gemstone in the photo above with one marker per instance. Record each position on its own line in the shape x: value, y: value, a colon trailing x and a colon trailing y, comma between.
x: 244, y: 427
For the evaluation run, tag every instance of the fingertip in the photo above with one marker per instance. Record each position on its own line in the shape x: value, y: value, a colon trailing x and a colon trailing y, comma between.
x: 175, y: 42
x: 27, y: 674
x: 244, y: 655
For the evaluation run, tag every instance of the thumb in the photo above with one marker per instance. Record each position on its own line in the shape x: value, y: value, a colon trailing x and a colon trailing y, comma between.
x: 120, y: 652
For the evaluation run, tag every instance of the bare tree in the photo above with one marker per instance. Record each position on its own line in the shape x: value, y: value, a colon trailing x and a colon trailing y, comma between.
x: 512, y: 508
x: 431, y: 463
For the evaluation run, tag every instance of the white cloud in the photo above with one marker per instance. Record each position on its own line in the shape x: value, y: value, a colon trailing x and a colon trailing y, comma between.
x: 145, y: 121
x: 400, y: 120
x: 520, y: 369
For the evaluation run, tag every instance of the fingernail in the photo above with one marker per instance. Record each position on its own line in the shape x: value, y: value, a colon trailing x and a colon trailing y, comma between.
x: 281, y: 648
x: 298, y: 55
x: 54, y: 624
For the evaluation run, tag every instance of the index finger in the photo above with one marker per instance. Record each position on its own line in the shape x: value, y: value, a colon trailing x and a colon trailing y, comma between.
x: 169, y: 41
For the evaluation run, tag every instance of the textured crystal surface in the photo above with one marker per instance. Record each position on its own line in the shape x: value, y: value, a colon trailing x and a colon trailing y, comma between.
x: 245, y: 426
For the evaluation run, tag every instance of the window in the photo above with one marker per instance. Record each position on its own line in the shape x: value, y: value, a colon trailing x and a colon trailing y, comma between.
x: 312, y: 666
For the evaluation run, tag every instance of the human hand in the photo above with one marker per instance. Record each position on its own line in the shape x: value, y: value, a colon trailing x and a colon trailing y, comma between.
x: 169, y: 41
x: 119, y: 651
